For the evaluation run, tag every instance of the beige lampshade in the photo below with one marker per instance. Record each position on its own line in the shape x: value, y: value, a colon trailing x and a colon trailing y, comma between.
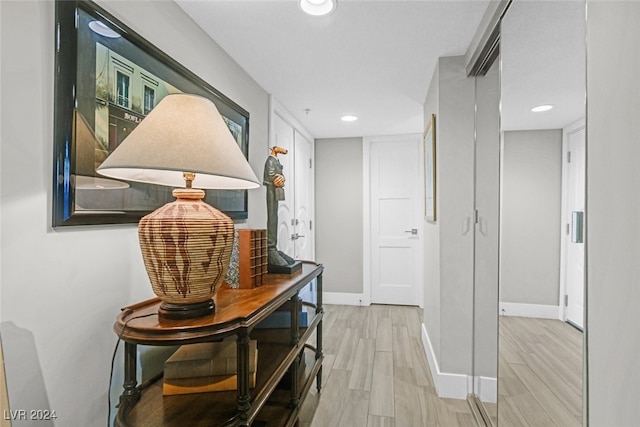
x: 186, y: 244
x: 183, y: 133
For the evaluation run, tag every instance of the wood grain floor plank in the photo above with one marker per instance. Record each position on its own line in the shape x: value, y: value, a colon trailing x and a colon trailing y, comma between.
x: 549, y: 401
x: 375, y: 373
x: 421, y: 366
x: 356, y: 409
x: 509, y: 414
x: 398, y: 317
x: 558, y: 392
x: 540, y: 373
x: 568, y: 365
x: 332, y: 400
x: 332, y: 335
x: 465, y: 420
x: 347, y: 349
x: 431, y: 406
x: 376, y: 421
x: 327, y: 369
x: 446, y: 413
x: 406, y: 394
x: 384, y: 335
x: 382, y: 388
x: 402, y: 352
x: 413, y: 321
x: 370, y: 326
x: 362, y: 372
x: 530, y: 410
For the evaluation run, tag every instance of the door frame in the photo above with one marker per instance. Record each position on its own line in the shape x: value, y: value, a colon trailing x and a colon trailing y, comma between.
x: 566, y: 131
x: 297, y: 135
x: 366, y: 214
x: 277, y: 109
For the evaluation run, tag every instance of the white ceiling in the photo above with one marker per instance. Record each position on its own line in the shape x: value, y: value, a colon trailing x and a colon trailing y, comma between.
x: 543, y: 62
x: 370, y: 58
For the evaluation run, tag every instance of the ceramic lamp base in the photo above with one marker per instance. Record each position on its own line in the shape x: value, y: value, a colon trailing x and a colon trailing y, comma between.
x: 186, y: 247
x: 186, y: 311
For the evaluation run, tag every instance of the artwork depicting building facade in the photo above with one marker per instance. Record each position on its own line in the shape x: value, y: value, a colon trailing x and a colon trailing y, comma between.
x: 125, y: 93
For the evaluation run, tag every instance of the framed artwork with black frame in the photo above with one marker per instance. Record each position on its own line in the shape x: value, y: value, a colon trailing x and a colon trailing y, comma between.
x: 107, y: 79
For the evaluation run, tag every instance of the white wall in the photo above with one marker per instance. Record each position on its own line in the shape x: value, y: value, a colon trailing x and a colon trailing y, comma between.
x: 613, y: 206
x: 530, y: 218
x: 339, y: 234
x: 455, y: 198
x: 449, y: 242
x: 432, y: 235
x: 62, y: 289
x: 454, y: 139
x: 449, y: 288
x: 487, y: 200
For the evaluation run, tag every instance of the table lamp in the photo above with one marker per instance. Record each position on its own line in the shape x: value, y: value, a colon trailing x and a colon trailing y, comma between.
x: 186, y: 244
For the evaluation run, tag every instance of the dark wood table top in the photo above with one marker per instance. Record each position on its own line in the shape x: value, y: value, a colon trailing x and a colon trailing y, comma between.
x: 235, y: 309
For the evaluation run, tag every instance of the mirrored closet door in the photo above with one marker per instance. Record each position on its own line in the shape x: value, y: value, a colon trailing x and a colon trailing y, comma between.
x: 485, y: 277
x: 542, y: 215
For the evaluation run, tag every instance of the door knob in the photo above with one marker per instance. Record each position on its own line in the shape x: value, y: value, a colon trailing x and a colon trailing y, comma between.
x: 413, y: 231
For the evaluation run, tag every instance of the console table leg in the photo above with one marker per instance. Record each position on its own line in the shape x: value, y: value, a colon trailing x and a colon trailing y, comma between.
x: 319, y: 309
x: 131, y: 394
x: 295, y: 339
x: 243, y: 376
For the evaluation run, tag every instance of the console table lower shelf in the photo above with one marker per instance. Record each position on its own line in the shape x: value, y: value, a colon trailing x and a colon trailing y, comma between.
x: 219, y: 408
x: 287, y: 365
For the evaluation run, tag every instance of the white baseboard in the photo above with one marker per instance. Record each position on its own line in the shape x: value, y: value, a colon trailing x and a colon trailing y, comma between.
x: 454, y: 386
x: 343, y: 298
x: 539, y: 311
x: 487, y: 390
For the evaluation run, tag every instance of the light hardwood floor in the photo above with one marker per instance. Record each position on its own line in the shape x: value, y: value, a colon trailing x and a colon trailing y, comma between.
x: 540, y: 373
x: 376, y: 374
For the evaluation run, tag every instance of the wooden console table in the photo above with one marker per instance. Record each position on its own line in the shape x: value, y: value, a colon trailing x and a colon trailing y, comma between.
x: 238, y: 311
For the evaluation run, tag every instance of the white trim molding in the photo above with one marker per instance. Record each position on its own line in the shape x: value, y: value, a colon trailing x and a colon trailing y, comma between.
x: 565, y: 215
x: 454, y: 386
x: 275, y: 107
x: 487, y: 389
x: 344, y: 298
x: 539, y: 311
x: 366, y: 219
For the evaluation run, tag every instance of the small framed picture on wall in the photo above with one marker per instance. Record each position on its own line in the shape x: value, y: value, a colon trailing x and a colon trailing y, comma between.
x: 429, y: 139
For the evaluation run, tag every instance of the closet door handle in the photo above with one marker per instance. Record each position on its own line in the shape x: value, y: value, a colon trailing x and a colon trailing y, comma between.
x: 413, y: 231
x: 577, y: 227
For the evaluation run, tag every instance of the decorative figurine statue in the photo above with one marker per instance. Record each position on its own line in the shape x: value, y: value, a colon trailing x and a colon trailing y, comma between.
x: 278, y: 261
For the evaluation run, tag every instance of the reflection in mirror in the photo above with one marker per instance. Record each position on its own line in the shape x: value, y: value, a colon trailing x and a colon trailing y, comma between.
x: 541, y: 267
x: 485, y: 295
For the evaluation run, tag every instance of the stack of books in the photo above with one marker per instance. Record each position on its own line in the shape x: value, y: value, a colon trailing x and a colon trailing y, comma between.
x: 252, y: 247
x: 206, y: 367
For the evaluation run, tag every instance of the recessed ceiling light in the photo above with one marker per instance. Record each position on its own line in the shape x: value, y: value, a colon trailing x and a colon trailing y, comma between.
x: 99, y: 28
x: 541, y: 108
x: 318, y: 7
x: 349, y: 118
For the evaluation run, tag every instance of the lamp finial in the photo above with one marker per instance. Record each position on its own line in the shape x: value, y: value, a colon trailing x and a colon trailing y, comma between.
x: 188, y: 179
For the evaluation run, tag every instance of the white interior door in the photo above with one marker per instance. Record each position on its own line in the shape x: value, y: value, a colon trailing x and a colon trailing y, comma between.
x: 284, y: 137
x: 396, y: 225
x: 303, y: 200
x: 576, y: 236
